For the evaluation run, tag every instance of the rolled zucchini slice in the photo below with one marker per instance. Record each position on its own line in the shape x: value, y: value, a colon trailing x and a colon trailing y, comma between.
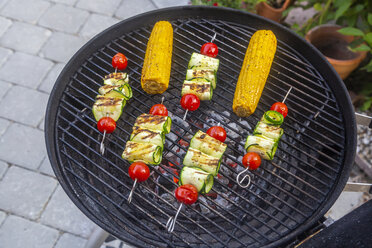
x: 203, y: 90
x: 273, y: 118
x: 146, y: 152
x: 199, y: 159
x: 154, y: 122
x: 265, y: 147
x: 123, y: 91
x: 208, y: 145
x: 205, y: 73
x: 268, y: 131
x: 143, y: 135
x: 202, y: 180
x: 199, y: 61
x: 116, y: 78
x: 108, y: 106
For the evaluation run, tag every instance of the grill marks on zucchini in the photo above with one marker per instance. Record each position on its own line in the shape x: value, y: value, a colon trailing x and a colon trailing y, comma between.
x: 147, y: 139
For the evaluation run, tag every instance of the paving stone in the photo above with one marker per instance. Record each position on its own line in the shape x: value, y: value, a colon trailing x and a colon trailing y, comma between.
x: 346, y: 202
x: 4, y: 87
x: 46, y: 168
x: 24, y: 192
x: 2, y: 217
x: 2, y: 3
x: 22, y: 145
x: 4, y: 54
x: 68, y: 241
x: 24, y: 105
x: 63, y: 214
x: 4, y: 24
x: 63, y: 18
x: 97, y: 23
x: 131, y: 8
x: 25, y: 69
x: 41, y: 125
x: 3, y: 168
x: 61, y: 47
x: 69, y: 2
x: 17, y: 232
x: 25, y: 37
x: 170, y: 3
x: 3, y: 125
x: 99, y: 6
x: 48, y: 82
x: 25, y: 10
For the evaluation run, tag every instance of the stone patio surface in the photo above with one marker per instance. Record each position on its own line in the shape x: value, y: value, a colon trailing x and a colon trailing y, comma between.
x: 37, y: 38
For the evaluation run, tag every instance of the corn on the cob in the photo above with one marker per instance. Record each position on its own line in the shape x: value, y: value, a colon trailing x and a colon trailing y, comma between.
x: 255, y: 70
x: 157, y: 64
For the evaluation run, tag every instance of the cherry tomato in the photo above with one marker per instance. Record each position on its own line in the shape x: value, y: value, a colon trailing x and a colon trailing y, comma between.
x: 187, y: 194
x: 280, y: 107
x: 190, y: 102
x: 159, y: 109
x: 251, y: 160
x: 210, y: 49
x: 217, y: 132
x: 119, y: 61
x: 139, y: 171
x: 106, y: 124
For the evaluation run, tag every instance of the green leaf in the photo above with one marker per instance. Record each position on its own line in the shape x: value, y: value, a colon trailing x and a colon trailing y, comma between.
x: 351, y: 31
x: 368, y: 38
x: 368, y: 67
x: 356, y: 42
x: 367, y: 104
x: 318, y: 7
x: 361, y: 48
x: 370, y: 18
x: 341, y: 10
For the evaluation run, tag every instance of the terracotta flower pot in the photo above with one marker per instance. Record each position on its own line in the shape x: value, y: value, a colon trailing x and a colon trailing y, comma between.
x: 333, y: 45
x: 265, y: 10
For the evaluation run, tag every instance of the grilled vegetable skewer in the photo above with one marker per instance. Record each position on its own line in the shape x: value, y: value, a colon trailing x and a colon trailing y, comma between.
x: 264, y: 140
x: 186, y: 194
x: 112, y: 99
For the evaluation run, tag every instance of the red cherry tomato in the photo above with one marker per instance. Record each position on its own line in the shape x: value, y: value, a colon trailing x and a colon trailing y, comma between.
x: 210, y: 49
x: 190, y: 102
x: 139, y: 171
x: 159, y: 109
x: 119, y: 61
x: 106, y: 124
x: 251, y: 160
x: 217, y: 132
x: 280, y: 107
x: 187, y: 194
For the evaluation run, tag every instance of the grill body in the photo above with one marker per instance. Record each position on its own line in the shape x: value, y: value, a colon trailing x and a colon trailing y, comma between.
x: 287, y: 195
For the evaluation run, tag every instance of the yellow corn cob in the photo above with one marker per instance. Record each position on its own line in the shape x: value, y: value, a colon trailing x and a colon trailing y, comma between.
x: 157, y: 64
x: 255, y: 70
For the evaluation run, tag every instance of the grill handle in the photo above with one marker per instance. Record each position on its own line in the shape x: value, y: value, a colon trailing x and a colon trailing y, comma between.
x: 364, y: 120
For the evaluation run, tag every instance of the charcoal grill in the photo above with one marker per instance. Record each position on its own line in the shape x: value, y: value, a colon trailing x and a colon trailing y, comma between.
x: 287, y: 196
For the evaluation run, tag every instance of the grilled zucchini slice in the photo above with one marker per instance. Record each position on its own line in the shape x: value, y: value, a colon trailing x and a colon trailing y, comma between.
x: 143, y: 135
x: 199, y: 61
x: 123, y: 91
x: 205, y: 73
x: 199, y: 159
x: 268, y: 131
x: 202, y: 180
x: 265, y: 147
x: 154, y: 122
x: 203, y: 90
x: 208, y: 145
x: 116, y: 78
x: 273, y: 118
x: 108, y: 106
x: 146, y: 152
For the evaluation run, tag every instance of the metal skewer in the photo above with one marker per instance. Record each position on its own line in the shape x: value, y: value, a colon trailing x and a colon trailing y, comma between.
x: 102, y: 145
x: 131, y: 192
x: 247, y: 176
x: 172, y: 220
x: 214, y: 37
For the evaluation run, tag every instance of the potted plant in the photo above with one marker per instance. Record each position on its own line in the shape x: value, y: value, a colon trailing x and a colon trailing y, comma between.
x: 271, y: 9
x: 347, y: 44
